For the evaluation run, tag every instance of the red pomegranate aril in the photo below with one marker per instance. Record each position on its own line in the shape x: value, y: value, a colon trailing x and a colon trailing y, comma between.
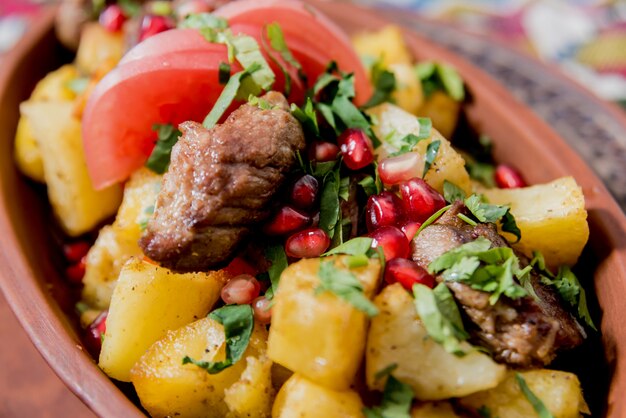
x: 151, y: 25
x: 392, y: 240
x: 112, y: 18
x: 356, y: 148
x: 407, y: 273
x: 304, y: 192
x: 241, y: 290
x: 94, y: 333
x: 420, y: 200
x: 410, y: 229
x: 76, y: 272
x: 240, y: 266
x: 507, y: 177
x: 262, y: 308
x: 288, y: 220
x: 311, y: 242
x: 322, y: 151
x: 394, y: 170
x: 74, y: 251
x: 382, y: 210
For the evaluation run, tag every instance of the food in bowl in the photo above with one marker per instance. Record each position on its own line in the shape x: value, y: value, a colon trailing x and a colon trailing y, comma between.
x: 336, y: 241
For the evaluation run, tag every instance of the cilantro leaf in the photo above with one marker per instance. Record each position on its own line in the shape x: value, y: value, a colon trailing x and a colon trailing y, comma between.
x: 130, y: 8
x: 533, y: 399
x: 431, y: 154
x: 232, y: 89
x: 441, y: 317
x: 384, y: 83
x: 482, y: 172
x: 432, y: 219
x: 437, y: 76
x: 407, y: 143
x: 275, y: 254
x: 224, y: 73
x: 344, y: 285
x: 200, y: 21
x: 369, y: 185
x: 329, y: 203
x: 355, y: 246
x: 397, y: 399
x: 486, y: 212
x: 452, y: 192
x: 159, y: 159
x: 277, y: 41
x: 307, y: 117
x: 509, y: 225
x: 238, y: 321
x: 261, y: 103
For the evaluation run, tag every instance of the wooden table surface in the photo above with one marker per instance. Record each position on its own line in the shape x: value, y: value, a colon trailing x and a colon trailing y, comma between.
x: 28, y: 386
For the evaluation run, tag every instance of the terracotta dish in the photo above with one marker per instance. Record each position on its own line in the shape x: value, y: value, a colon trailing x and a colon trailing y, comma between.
x: 42, y: 302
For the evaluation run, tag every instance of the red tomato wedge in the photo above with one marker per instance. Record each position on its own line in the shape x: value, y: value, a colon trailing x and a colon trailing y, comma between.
x: 312, y: 38
x: 173, y: 77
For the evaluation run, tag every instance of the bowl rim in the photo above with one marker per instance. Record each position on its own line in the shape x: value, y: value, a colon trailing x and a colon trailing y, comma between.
x: 48, y: 330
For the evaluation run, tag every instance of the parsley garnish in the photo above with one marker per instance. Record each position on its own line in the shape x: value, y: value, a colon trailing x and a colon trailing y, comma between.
x: 224, y: 73
x: 307, y: 117
x: 131, y: 8
x: 484, y: 412
x: 431, y: 154
x: 441, y: 318
x: 397, y: 399
x: 482, y: 268
x: 275, y: 254
x: 432, y: 219
x: 277, y: 42
x: 329, y: 203
x: 344, y: 285
x: 384, y: 83
x: 483, y: 172
x: 452, y: 192
x: 238, y: 321
x: 261, y: 103
x: 206, y: 23
x: 437, y: 76
x: 408, y: 142
x: 159, y: 159
x: 533, y: 399
x: 568, y: 286
x: 355, y: 246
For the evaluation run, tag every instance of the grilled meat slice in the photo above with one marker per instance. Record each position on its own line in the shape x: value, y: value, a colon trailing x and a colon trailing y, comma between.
x: 220, y: 185
x: 524, y: 332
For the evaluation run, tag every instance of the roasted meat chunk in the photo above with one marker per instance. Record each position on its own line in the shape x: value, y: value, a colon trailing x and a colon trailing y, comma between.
x: 524, y: 332
x: 220, y: 185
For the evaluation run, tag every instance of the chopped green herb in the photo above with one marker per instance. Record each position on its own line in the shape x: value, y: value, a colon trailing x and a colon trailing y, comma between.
x: 440, y: 77
x: 384, y: 83
x: 397, y: 399
x: 238, y: 321
x: 486, y: 212
x: 431, y: 154
x: 345, y: 285
x: 441, y: 318
x: 161, y: 7
x: 466, y: 219
x: 355, y: 246
x: 261, y: 103
x: 232, y: 89
x: 131, y: 8
x: 452, y: 192
x: 329, y: 203
x: 159, y: 159
x: 224, y: 73
x: 148, y: 212
x: 483, y: 172
x: 432, y: 219
x: 202, y: 21
x: 385, y: 372
x: 533, y: 399
x: 355, y: 261
x: 484, y: 412
x: 278, y: 43
x: 78, y: 85
x: 307, y: 117
x: 369, y: 185
x: 275, y: 254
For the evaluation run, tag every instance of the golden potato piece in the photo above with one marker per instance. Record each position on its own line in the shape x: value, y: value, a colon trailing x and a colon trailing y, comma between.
x: 397, y: 336
x: 321, y: 337
x: 167, y: 388
x: 559, y: 391
x: 433, y: 410
x: 395, y: 123
x: 408, y: 94
x: 301, y: 398
x: 78, y: 207
x: 55, y: 85
x: 147, y: 302
x: 117, y: 243
x: 387, y: 44
x: 551, y: 217
x: 443, y: 110
x: 98, y: 45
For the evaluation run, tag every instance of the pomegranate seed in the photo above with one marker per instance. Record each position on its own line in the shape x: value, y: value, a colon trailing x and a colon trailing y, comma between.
x: 382, y: 210
x: 410, y: 229
x: 192, y: 7
x: 508, y: 178
x: 357, y: 148
x: 392, y: 240
x: 76, y: 272
x: 420, y: 200
x: 94, y: 333
x: 309, y: 243
x: 407, y: 273
x: 240, y: 266
x: 394, y: 170
x: 304, y: 192
x: 288, y: 220
x: 322, y: 151
x: 262, y: 308
x: 151, y: 25
x: 74, y: 251
x: 112, y: 18
x: 241, y: 290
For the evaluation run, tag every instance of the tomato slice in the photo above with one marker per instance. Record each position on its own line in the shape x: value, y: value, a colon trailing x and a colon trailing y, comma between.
x: 118, y: 119
x: 312, y: 38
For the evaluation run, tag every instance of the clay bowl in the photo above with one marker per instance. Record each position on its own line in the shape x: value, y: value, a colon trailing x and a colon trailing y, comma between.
x: 42, y: 302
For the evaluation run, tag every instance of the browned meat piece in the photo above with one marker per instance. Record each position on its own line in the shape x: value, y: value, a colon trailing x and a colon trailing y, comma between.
x: 522, y: 332
x: 220, y: 184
